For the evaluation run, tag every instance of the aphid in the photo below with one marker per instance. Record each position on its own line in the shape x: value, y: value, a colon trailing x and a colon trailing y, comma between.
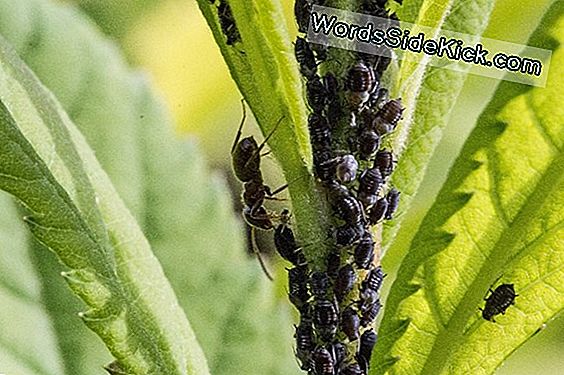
x: 346, y: 169
x: 325, y: 318
x: 352, y: 369
x: 388, y: 116
x: 350, y: 323
x: 319, y: 283
x: 368, y: 144
x: 373, y: 280
x: 384, y: 161
x: 331, y: 86
x: 367, y: 342
x: 316, y: 94
x: 364, y: 252
x: 347, y: 234
x: 378, y: 98
x: 302, y: 9
x: 376, y: 212
x: 345, y: 206
x: 304, y: 343
x: 305, y: 58
x: 498, y: 301
x: 227, y: 23
x: 285, y: 242
x: 320, y: 136
x: 344, y: 282
x: 369, y: 311
x: 371, y: 182
x: 323, y: 362
x: 339, y: 353
x: 361, y: 82
x: 393, y: 202
x: 297, y: 286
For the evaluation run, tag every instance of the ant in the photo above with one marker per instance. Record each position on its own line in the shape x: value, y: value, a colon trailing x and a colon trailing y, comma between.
x: 246, y: 154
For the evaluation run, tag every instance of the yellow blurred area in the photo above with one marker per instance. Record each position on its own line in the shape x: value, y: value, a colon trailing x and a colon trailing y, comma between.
x: 174, y: 44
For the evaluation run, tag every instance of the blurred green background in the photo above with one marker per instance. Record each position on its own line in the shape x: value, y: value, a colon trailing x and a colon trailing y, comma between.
x: 170, y: 40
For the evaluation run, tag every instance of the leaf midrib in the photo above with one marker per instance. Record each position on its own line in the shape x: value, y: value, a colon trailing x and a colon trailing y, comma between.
x: 437, y: 358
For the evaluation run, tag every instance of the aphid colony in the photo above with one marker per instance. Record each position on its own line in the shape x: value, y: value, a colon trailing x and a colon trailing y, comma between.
x: 349, y: 120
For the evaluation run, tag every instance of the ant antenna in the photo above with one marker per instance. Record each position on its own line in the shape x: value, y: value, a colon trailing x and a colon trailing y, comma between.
x: 240, y: 131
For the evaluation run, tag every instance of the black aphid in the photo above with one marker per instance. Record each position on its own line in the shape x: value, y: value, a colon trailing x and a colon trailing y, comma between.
x: 297, y: 286
x: 345, y: 205
x: 319, y: 283
x: 392, y: 197
x: 368, y: 144
x: 323, y: 362
x: 371, y: 182
x: 305, y: 58
x: 388, y: 116
x: 304, y: 343
x: 376, y: 213
x: 333, y: 264
x: 316, y: 94
x: 285, y: 242
x: 367, y: 342
x: 350, y: 323
x: 320, y: 136
x: 344, y: 282
x: 325, y: 318
x: 369, y: 310
x: 373, y: 280
x: 364, y: 252
x: 498, y: 301
x: 361, y: 82
x: 384, y: 161
x: 347, y: 234
x: 339, y: 353
x: 227, y: 23
x: 352, y: 369
x: 346, y: 169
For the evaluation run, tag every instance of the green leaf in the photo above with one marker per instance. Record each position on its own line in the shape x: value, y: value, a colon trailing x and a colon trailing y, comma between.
x: 497, y: 219
x: 45, y: 163
x: 429, y: 94
x: 263, y: 66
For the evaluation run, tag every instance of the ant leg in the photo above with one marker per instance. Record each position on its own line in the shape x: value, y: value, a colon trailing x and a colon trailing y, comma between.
x: 259, y: 257
x: 270, y: 134
x: 240, y: 131
x: 266, y: 153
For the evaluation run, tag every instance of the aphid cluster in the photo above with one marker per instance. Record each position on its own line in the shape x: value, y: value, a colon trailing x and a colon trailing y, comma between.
x: 350, y: 117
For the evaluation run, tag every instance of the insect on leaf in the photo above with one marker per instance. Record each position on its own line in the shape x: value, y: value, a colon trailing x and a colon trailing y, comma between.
x: 498, y: 219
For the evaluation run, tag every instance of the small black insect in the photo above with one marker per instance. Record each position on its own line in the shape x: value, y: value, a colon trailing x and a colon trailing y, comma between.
x: 364, y: 252
x: 371, y: 182
x: 376, y: 213
x: 498, y: 301
x: 346, y: 169
x: 285, y: 242
x: 344, y: 282
x: 393, y: 202
x: 316, y: 94
x: 319, y: 283
x: 384, y: 161
x: 361, y: 82
x: 351, y: 369
x: 369, y: 310
x: 367, y: 342
x: 302, y: 9
x: 347, y: 234
x: 325, y: 318
x: 320, y: 136
x: 297, y: 286
x: 378, y: 98
x: 350, y: 323
x: 304, y: 343
x: 373, y: 280
x: 339, y: 353
x: 368, y: 144
x: 388, y: 117
x: 305, y: 58
x: 345, y: 206
x: 227, y: 23
x: 323, y: 362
